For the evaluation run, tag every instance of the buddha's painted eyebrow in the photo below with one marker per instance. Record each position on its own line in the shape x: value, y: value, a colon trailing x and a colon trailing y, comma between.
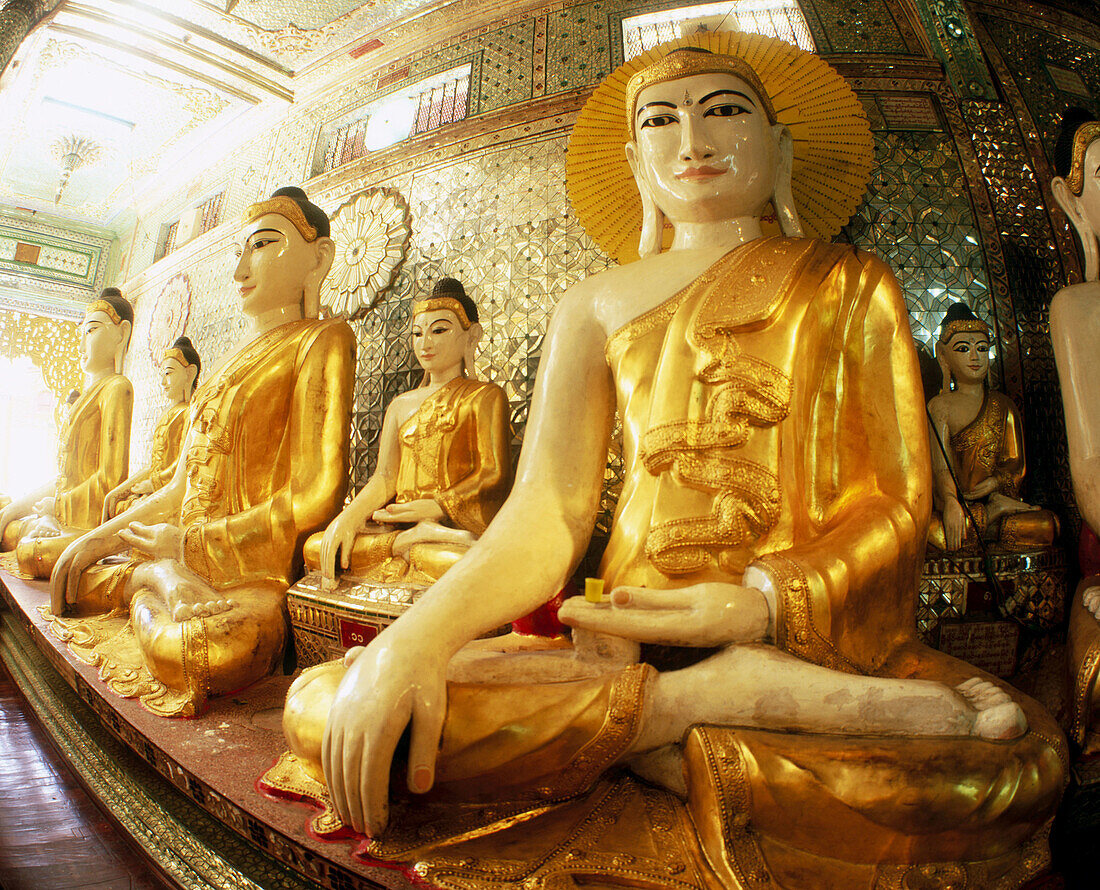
x: 653, y: 104
x: 258, y: 231
x: 710, y: 96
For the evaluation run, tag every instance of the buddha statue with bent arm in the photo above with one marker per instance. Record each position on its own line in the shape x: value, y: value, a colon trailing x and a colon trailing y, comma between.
x: 444, y: 464
x: 755, y: 660
x: 94, y: 446
x: 263, y: 465
x: 1075, y: 331
x: 978, y: 443
x: 179, y: 376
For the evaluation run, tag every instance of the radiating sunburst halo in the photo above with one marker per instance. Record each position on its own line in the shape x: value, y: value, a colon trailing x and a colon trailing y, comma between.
x: 371, y: 231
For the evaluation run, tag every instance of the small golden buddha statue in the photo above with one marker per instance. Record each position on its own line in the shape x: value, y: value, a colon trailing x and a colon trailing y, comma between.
x: 263, y: 466
x: 1074, y: 329
x: 790, y: 728
x: 982, y: 449
x: 179, y: 374
x: 93, y: 449
x: 444, y: 462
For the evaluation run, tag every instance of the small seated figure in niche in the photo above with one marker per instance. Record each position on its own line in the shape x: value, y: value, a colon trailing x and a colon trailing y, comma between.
x: 444, y: 464
x: 1075, y: 331
x: 179, y: 375
x: 980, y: 431
x: 94, y: 446
x: 262, y: 467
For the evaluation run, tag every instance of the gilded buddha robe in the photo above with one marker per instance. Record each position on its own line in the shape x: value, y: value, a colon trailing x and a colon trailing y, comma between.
x: 455, y: 449
x: 992, y: 445
x: 93, y: 458
x: 266, y: 465
x: 167, y: 441
x: 771, y: 415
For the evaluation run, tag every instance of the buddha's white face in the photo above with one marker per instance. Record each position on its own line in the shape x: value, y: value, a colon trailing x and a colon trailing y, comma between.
x: 274, y: 261
x: 968, y: 357
x: 704, y: 148
x: 439, y: 342
x: 100, y: 340
x: 174, y: 380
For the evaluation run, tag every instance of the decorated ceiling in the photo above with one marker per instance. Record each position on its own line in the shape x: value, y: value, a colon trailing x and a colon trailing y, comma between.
x: 103, y: 105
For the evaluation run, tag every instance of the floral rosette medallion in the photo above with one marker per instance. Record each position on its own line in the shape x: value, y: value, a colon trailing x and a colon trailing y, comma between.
x: 168, y: 319
x: 372, y: 233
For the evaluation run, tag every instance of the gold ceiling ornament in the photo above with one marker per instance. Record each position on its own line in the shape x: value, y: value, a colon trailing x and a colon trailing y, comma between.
x: 371, y: 232
x: 72, y: 153
x: 833, y: 150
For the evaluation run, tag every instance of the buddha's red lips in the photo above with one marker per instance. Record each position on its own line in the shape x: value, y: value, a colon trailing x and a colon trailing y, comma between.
x: 701, y: 172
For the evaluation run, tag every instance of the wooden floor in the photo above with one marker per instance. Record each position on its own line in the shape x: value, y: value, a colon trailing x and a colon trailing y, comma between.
x: 52, y: 836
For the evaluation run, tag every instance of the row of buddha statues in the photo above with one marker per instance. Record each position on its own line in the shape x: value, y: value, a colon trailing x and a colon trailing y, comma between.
x: 750, y: 691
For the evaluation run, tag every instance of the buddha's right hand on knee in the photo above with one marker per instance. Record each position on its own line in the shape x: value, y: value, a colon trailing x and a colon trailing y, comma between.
x: 81, y: 553
x: 338, y: 540
x: 395, y: 682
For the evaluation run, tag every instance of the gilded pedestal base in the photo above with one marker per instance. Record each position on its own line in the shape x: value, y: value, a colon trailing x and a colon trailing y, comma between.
x: 326, y: 623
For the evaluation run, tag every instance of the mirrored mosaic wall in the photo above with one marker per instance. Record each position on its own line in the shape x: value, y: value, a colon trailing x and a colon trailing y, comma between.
x: 956, y: 203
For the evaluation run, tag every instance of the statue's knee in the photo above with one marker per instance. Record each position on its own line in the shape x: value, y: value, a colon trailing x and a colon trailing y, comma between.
x: 308, y: 702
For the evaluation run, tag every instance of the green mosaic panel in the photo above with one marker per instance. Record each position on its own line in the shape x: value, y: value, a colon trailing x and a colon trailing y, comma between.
x: 1026, y: 52
x: 918, y: 218
x: 847, y: 26
x: 578, y: 43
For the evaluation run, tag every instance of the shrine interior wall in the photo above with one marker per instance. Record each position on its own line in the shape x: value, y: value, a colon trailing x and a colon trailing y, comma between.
x: 958, y: 203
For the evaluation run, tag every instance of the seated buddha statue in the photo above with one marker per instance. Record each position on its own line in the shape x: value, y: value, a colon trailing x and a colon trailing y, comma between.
x: 790, y: 728
x: 263, y: 465
x: 179, y: 374
x: 978, y: 449
x: 444, y: 463
x: 1074, y: 329
x: 93, y: 446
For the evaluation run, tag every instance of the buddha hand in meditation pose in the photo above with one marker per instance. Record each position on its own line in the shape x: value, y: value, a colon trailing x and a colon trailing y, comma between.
x: 1075, y: 330
x: 94, y: 446
x: 444, y: 465
x: 263, y: 465
x: 763, y: 556
x: 179, y: 375
x: 981, y: 433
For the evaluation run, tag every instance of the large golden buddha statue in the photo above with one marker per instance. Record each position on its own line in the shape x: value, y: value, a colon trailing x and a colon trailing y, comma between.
x: 763, y: 557
x: 263, y: 465
x: 179, y: 375
x: 94, y: 446
x: 1075, y: 330
x: 444, y: 462
x: 978, y: 449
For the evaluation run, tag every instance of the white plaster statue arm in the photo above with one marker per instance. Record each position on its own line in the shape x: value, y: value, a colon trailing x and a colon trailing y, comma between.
x: 1075, y: 353
x: 120, y: 491
x: 380, y: 488
x: 947, y: 494
x: 521, y: 560
x: 105, y: 539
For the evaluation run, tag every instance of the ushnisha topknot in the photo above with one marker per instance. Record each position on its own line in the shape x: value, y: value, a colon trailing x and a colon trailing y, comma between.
x: 111, y: 301
x: 449, y: 293
x: 685, y: 62
x: 960, y: 319
x: 291, y: 202
x: 1079, y: 128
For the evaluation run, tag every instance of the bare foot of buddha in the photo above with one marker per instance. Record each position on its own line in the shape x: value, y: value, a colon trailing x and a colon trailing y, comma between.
x: 1091, y: 599
x: 430, y: 532
x: 183, y: 592
x: 996, y: 715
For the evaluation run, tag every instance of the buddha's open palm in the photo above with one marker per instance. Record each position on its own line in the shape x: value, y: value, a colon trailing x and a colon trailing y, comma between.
x: 709, y: 614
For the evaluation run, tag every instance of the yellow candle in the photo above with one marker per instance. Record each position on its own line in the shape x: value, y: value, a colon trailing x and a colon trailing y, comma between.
x: 593, y: 590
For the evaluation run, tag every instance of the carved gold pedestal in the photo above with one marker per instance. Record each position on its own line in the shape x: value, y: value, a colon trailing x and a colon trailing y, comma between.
x: 327, y: 623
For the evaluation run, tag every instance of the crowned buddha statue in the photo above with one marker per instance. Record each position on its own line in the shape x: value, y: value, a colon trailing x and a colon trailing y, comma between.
x: 790, y: 729
x: 444, y: 463
x: 263, y: 465
x: 978, y: 449
x: 1075, y: 331
x: 94, y: 446
x: 179, y: 375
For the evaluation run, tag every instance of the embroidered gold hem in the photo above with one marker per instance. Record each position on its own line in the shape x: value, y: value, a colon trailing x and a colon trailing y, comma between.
x: 107, y: 643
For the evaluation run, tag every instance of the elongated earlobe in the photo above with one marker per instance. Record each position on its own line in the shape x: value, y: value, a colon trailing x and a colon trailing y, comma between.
x: 473, y: 339
x: 653, y: 220
x: 783, y: 199
x: 126, y: 329
x: 1071, y: 206
x: 945, y: 368
x: 311, y: 296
